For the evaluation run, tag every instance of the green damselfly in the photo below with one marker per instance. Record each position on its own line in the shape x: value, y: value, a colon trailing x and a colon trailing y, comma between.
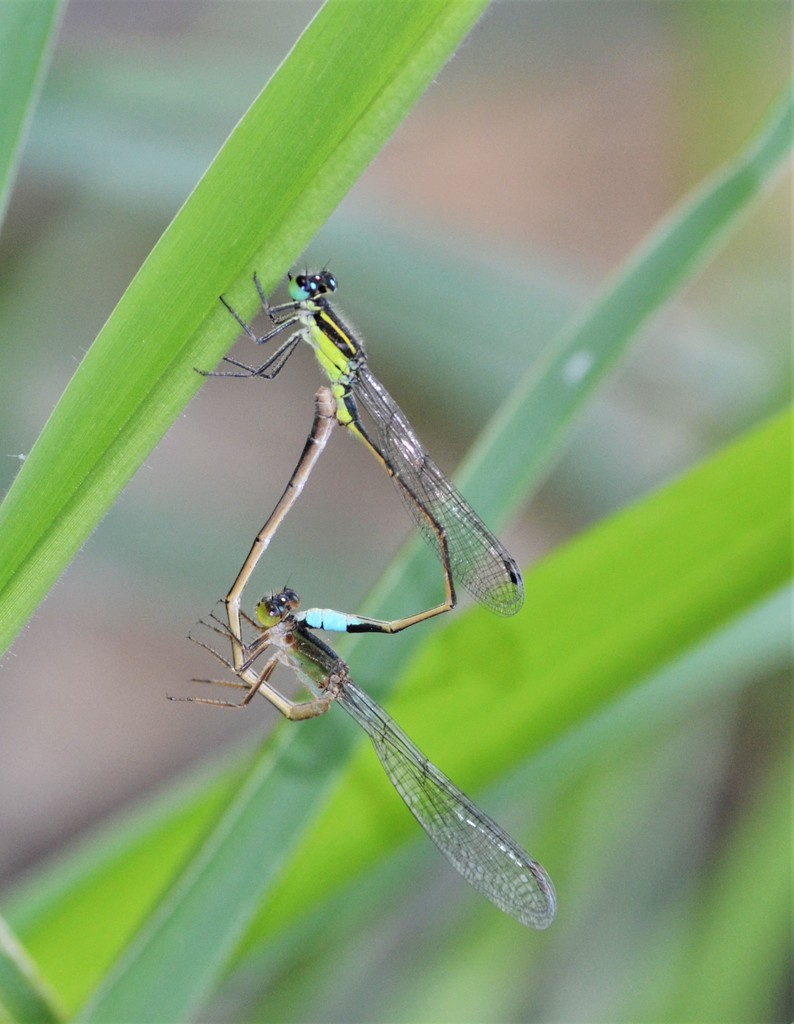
x: 468, y: 551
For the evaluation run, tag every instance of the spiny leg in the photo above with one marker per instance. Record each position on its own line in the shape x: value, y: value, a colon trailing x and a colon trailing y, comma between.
x: 259, y: 682
x: 271, y: 367
x: 282, y: 317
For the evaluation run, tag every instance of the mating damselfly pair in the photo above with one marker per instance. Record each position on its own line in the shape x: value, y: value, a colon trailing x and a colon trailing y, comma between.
x: 484, y: 854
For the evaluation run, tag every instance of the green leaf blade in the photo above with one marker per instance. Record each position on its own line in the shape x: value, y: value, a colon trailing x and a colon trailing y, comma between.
x: 23, y: 995
x: 27, y: 32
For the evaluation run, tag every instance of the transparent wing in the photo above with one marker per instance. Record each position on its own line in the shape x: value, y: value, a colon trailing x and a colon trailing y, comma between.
x: 478, y: 559
x: 487, y: 857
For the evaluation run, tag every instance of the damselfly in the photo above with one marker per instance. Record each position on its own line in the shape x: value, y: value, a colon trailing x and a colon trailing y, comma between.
x: 468, y: 551
x: 479, y: 849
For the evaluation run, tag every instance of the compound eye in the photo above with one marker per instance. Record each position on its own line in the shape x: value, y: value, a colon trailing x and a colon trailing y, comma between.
x: 268, y: 611
x: 301, y: 287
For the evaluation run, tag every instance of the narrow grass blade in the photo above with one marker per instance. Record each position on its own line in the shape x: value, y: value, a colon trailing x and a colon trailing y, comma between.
x: 547, y: 401
x: 27, y: 32
x: 23, y: 995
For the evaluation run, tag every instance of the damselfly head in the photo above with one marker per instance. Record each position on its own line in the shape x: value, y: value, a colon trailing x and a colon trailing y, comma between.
x: 276, y: 607
x: 309, y: 286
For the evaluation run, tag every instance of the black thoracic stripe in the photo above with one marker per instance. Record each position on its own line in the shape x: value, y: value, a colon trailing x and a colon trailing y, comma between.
x: 339, y: 334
